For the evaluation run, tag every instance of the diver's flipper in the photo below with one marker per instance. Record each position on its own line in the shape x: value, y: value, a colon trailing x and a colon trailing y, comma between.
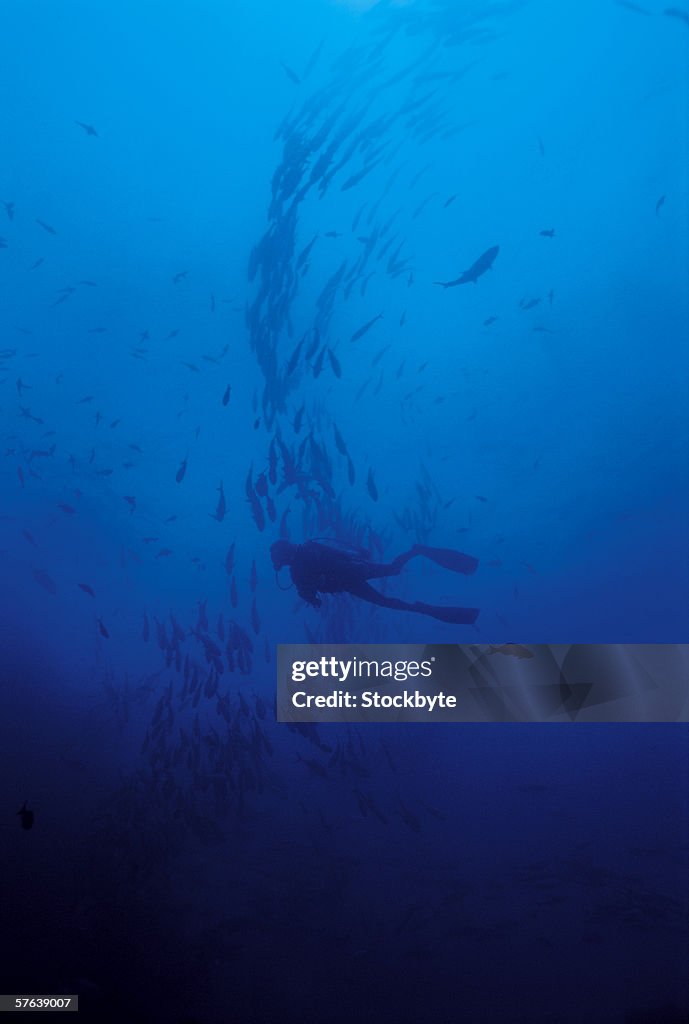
x: 449, y: 559
x: 457, y: 616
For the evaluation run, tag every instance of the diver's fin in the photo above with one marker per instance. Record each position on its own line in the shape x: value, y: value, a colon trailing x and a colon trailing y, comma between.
x: 456, y: 616
x: 449, y: 559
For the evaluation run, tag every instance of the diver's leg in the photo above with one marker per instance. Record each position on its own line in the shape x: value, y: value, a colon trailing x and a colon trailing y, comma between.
x: 379, y: 570
x: 456, y: 561
x: 458, y: 616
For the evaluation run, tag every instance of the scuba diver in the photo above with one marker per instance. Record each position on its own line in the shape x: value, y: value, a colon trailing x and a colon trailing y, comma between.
x: 319, y: 568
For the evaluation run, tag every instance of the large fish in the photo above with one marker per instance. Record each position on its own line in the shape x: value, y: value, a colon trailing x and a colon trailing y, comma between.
x: 476, y: 270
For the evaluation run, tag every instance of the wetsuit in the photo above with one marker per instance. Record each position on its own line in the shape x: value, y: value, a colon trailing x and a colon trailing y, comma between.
x: 319, y: 569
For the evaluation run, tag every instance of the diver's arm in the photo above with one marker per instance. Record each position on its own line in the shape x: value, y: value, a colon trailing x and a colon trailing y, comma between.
x: 305, y: 584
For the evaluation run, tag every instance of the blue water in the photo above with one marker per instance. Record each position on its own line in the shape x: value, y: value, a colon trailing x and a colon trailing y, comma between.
x: 165, y: 168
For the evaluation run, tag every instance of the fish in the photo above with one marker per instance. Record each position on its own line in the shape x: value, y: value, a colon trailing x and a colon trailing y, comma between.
x: 44, y: 580
x: 489, y: 321
x: 26, y: 816
x: 365, y: 327
x: 88, y: 128
x: 660, y: 204
x: 632, y: 7
x: 547, y: 233
x: 179, y: 476
x: 47, y: 227
x: 339, y: 441
x: 87, y: 589
x: 675, y: 12
x: 219, y: 514
x: 294, y: 359
x: 313, y: 59
x: 314, y: 767
x: 476, y: 270
x: 409, y: 818
x: 293, y: 77
x: 371, y: 485
x: 229, y: 560
x: 102, y: 630
x: 255, y: 620
x: 335, y: 364
x: 226, y: 396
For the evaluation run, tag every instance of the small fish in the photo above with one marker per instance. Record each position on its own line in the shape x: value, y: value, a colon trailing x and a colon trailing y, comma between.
x: 87, y: 589
x: 226, y: 396
x: 102, y: 630
x: 27, y: 817
x: 293, y: 77
x: 335, y: 363
x: 660, y: 204
x: 675, y: 12
x: 339, y: 441
x: 229, y: 560
x: 371, y: 485
x: 179, y: 476
x: 315, y: 767
x: 88, y: 128
x: 46, y: 227
x: 489, y: 321
x: 69, y: 509
x: 547, y: 233
x: 221, y: 507
x: 255, y: 620
x: 365, y: 327
x: 44, y: 580
x: 294, y: 359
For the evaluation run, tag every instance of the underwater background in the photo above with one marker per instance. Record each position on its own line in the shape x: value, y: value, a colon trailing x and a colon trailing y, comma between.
x: 222, y: 229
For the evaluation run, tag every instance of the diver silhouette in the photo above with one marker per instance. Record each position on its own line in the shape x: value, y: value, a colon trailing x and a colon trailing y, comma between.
x: 319, y: 568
